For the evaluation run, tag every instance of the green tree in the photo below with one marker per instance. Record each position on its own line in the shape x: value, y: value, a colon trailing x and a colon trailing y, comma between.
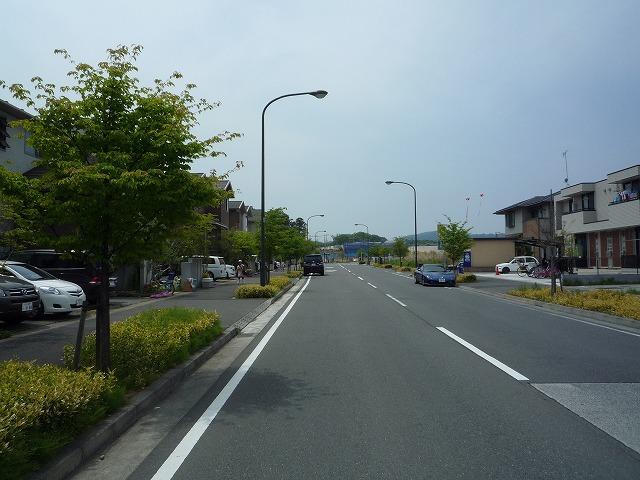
x: 454, y: 239
x: 193, y: 238
x: 116, y: 157
x: 239, y: 245
x: 399, y: 248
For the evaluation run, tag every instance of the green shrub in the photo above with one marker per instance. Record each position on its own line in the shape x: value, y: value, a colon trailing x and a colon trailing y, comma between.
x: 4, y: 334
x: 43, y: 407
x: 280, y: 282
x: 606, y: 301
x: 256, y: 291
x: 388, y: 266
x: 405, y: 269
x: 466, y: 278
x: 294, y: 274
x: 148, y: 344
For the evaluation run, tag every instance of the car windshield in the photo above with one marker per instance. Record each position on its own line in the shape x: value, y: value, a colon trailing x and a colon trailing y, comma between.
x: 433, y: 268
x: 313, y: 258
x: 30, y: 273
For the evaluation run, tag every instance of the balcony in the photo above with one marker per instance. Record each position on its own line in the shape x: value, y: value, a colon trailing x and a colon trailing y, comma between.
x: 575, y: 221
x: 625, y: 214
x: 624, y: 197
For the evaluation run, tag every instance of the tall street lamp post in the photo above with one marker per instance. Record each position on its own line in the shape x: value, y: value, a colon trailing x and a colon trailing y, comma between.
x: 263, y: 257
x: 415, y: 219
x: 363, y: 225
x: 312, y: 216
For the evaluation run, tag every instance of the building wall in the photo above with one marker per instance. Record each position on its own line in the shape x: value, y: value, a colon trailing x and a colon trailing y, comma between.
x: 517, y: 228
x: 15, y: 158
x: 486, y: 253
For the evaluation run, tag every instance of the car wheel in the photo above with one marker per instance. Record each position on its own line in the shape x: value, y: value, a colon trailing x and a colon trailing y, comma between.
x: 506, y: 269
x: 415, y: 279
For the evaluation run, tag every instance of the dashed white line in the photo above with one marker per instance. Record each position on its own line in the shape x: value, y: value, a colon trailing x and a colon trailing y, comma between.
x: 180, y: 453
x: 372, y: 285
x: 396, y: 300
x: 497, y: 363
x: 361, y: 278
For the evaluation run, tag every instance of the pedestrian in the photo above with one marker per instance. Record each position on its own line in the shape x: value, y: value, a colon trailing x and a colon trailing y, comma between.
x: 240, y: 271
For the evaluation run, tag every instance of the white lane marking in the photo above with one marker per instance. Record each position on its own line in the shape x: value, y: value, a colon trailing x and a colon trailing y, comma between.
x: 508, y: 370
x: 180, y: 453
x: 396, y: 300
x: 540, y: 309
x: 371, y: 285
x: 361, y: 278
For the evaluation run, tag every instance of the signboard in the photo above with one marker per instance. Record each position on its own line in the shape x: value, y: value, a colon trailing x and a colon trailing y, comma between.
x: 466, y: 259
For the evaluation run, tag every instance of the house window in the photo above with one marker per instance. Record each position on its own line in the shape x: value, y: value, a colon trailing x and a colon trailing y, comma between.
x: 587, y: 201
x: 28, y: 149
x: 570, y: 204
x: 510, y: 219
x: 623, y: 244
x: 4, y: 134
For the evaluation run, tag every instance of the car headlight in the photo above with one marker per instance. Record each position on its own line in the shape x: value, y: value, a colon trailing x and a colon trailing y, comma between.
x: 50, y: 290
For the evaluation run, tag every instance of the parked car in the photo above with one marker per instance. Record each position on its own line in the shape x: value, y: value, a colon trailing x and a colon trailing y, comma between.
x: 56, y: 296
x: 313, y: 264
x: 64, y: 268
x: 18, y: 300
x: 435, y: 274
x: 514, y: 264
x: 216, y: 266
x: 230, y: 271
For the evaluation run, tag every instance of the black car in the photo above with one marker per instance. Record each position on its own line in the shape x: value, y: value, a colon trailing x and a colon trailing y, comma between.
x: 18, y: 300
x: 313, y: 264
x: 64, y: 268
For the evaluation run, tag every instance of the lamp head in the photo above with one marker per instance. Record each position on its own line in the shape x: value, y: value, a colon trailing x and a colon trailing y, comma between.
x: 319, y: 93
x: 389, y: 182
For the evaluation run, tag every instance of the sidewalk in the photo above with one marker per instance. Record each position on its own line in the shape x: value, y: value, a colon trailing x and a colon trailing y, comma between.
x: 43, y: 341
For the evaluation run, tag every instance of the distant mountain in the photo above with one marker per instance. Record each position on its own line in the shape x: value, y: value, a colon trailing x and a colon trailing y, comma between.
x: 432, y: 237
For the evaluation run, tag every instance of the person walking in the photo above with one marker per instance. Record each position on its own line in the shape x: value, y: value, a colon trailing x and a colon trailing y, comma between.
x: 240, y: 271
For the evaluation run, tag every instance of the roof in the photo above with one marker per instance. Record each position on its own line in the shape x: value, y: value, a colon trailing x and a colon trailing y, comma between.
x: 14, y: 111
x: 531, y: 202
x: 224, y: 185
x: 235, y: 204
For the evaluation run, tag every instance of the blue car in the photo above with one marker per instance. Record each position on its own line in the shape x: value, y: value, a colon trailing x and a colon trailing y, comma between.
x: 434, y: 274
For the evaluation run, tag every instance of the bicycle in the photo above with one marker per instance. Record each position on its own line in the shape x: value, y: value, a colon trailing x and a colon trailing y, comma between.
x: 544, y: 271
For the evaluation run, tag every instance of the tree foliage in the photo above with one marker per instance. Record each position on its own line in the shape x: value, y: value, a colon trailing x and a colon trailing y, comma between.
x: 342, y: 238
x: 239, y: 245
x: 116, y: 158
x: 454, y: 239
x: 283, y: 240
x: 399, y: 248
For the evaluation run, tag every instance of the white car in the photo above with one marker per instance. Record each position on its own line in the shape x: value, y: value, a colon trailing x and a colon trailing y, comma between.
x: 514, y: 264
x: 230, y: 271
x: 57, y: 296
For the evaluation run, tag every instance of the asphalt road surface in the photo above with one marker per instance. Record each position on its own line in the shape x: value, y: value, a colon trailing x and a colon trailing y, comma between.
x: 367, y: 375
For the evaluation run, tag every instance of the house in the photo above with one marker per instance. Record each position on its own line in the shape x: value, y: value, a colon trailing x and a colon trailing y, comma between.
x: 604, y: 219
x: 253, y: 220
x: 239, y: 214
x: 15, y: 154
x: 529, y: 222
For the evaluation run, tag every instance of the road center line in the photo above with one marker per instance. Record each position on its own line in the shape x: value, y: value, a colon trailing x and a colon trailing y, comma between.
x: 182, y: 450
x: 361, y: 278
x: 508, y: 370
x: 371, y: 285
x: 396, y: 300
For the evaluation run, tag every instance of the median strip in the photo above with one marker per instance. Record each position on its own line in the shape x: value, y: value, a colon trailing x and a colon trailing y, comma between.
x: 396, y: 300
x: 496, y: 363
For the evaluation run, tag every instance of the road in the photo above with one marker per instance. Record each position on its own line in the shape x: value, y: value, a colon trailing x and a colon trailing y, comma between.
x: 366, y: 375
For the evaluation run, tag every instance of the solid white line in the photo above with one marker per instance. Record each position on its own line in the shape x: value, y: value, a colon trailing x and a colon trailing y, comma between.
x: 180, y: 453
x: 396, y: 300
x: 371, y: 285
x: 487, y: 357
x: 361, y: 278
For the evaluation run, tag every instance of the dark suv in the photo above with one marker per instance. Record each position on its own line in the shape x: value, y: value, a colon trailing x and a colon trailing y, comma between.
x: 313, y: 264
x: 65, y: 268
x: 18, y: 300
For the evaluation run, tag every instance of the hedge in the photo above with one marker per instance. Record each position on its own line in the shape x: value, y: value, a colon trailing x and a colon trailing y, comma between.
x: 280, y: 282
x: 150, y: 343
x: 294, y: 274
x: 256, y: 291
x: 606, y: 301
x: 466, y: 278
x: 43, y: 407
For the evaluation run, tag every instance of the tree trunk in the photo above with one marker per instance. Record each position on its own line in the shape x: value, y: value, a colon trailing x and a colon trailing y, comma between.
x: 103, y: 321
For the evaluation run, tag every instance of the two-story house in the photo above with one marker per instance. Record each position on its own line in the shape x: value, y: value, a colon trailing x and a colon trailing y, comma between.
x: 15, y: 153
x: 529, y: 220
x: 604, y: 218
x: 239, y: 214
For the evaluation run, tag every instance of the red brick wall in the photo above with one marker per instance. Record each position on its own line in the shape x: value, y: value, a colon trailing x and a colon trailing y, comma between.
x: 591, y: 239
x: 616, y: 249
x: 604, y: 260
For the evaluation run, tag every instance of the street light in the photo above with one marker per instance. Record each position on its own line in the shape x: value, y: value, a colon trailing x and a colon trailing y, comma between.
x: 263, y: 259
x: 415, y: 219
x: 363, y: 225
x: 318, y: 215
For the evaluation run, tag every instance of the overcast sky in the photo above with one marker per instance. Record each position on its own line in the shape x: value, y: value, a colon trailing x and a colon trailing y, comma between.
x: 458, y: 98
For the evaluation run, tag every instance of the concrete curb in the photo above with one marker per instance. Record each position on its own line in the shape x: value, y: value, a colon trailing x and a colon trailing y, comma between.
x: 633, y: 326
x: 83, y: 448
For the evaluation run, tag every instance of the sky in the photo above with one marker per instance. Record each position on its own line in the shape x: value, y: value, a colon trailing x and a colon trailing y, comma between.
x: 458, y: 98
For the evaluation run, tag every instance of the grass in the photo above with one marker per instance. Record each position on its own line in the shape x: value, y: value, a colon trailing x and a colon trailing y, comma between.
x: 4, y: 334
x: 622, y: 304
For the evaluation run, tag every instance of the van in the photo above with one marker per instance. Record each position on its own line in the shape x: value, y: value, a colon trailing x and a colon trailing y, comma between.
x: 215, y: 266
